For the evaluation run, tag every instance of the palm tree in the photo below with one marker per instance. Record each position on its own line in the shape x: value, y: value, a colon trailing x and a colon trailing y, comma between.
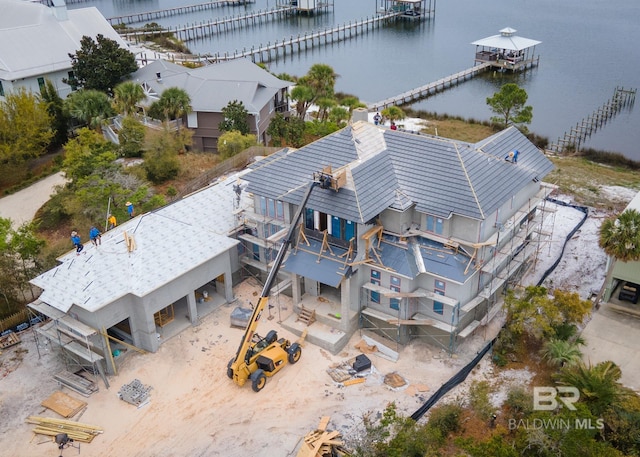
x: 559, y: 353
x: 303, y: 96
x: 393, y: 113
x: 598, y: 385
x: 89, y: 106
x: 173, y: 104
x: 321, y: 78
x: 127, y: 95
x: 620, y: 239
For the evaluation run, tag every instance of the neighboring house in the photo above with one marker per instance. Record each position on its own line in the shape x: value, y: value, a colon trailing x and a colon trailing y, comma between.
x: 211, y: 88
x: 37, y: 40
x: 151, y: 277
x: 625, y: 272
x: 419, y: 240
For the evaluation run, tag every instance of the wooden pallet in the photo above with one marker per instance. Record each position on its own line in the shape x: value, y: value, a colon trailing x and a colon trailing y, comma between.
x: 322, y: 443
x: 306, y: 315
x: 9, y: 340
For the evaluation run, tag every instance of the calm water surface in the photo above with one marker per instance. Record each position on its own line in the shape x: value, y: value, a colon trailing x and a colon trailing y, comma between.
x: 588, y: 48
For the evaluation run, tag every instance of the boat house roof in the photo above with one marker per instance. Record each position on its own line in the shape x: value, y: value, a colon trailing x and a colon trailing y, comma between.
x: 507, y: 40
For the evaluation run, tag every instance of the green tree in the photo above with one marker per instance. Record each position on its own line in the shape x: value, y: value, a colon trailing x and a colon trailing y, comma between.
x: 59, y: 116
x: 321, y: 78
x: 598, y: 385
x: 131, y: 137
x: 393, y: 113
x: 87, y: 152
x: 339, y: 115
x: 231, y: 143
x: 234, y: 118
x: 509, y: 105
x: 161, y: 156
x: 174, y: 103
x: 100, y: 65
x: 559, y: 353
x: 126, y: 96
x: 286, y: 131
x: 91, y: 107
x: 620, y: 239
x: 325, y: 104
x: 25, y: 127
x: 352, y: 103
x: 303, y: 98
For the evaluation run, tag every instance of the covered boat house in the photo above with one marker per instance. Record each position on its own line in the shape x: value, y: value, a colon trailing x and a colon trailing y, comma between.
x: 507, y: 51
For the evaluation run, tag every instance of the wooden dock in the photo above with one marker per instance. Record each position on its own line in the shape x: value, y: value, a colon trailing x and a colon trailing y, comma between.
x: 431, y: 88
x: 271, y: 51
x: 202, y: 29
x: 576, y: 136
x: 157, y: 14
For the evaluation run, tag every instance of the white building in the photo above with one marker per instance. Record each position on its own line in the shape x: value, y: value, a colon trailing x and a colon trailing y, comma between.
x: 36, y: 40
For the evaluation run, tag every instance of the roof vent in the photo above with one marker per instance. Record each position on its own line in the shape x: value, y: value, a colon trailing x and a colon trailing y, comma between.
x: 159, y: 77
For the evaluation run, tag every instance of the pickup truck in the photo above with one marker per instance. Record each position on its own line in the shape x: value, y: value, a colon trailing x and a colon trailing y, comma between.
x: 630, y: 292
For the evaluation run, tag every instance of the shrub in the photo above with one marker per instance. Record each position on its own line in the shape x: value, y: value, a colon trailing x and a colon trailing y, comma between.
x: 479, y: 399
x: 445, y: 418
x: 519, y: 400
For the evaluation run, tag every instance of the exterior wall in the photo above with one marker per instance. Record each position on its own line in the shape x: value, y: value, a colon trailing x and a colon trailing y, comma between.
x: 31, y: 83
x: 398, y: 221
x: 465, y: 228
x: 622, y: 271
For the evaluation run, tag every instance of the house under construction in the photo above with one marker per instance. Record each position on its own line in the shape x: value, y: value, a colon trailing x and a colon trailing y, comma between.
x: 423, y: 235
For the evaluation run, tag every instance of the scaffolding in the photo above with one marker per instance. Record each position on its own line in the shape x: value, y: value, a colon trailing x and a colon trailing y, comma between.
x: 72, y: 337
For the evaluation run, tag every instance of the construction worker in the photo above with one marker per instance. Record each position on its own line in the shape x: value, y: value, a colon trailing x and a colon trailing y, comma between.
x: 75, y: 239
x: 111, y: 221
x: 130, y: 208
x: 95, y: 236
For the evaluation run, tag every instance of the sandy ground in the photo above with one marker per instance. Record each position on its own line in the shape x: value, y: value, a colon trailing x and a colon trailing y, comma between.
x: 196, y: 410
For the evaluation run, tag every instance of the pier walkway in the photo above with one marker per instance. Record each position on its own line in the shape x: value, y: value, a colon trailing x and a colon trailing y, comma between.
x: 157, y: 14
x: 574, y: 138
x: 429, y: 89
x: 202, y: 29
x: 271, y: 51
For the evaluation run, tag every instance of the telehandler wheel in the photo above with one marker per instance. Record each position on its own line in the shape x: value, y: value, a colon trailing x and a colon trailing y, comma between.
x: 229, y: 370
x: 271, y: 337
x: 258, y: 380
x: 294, y: 353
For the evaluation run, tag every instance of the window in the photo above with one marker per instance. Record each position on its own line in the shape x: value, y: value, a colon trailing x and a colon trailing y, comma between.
x: 395, y: 281
x: 271, y: 208
x: 308, y: 219
x: 41, y: 84
x: 72, y: 80
x: 439, y: 289
x: 394, y: 303
x: 1, y: 90
x: 375, y: 279
x: 435, y: 224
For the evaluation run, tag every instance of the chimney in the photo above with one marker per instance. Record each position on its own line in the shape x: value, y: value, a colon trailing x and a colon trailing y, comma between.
x: 359, y: 114
x: 60, y: 10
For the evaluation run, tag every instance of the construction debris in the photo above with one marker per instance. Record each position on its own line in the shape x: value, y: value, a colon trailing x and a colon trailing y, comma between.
x: 78, y: 384
x: 76, y: 431
x: 394, y: 380
x: 135, y: 393
x: 322, y: 443
x: 9, y: 340
x: 356, y: 367
x: 63, y: 404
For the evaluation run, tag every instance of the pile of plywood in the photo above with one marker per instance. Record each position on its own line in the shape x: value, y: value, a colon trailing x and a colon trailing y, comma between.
x: 63, y: 404
x: 9, y: 340
x: 76, y: 431
x: 322, y: 443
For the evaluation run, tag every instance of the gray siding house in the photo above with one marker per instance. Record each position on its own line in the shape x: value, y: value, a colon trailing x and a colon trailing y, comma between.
x: 211, y: 88
x: 37, y: 41
x: 418, y: 241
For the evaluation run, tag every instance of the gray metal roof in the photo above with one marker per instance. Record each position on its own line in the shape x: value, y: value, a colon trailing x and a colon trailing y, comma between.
x: 170, y: 242
x: 35, y: 42
x: 507, y: 40
x: 387, y: 168
x: 212, y: 87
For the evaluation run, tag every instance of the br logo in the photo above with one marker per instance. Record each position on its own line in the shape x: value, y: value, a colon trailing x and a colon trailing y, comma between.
x: 546, y: 398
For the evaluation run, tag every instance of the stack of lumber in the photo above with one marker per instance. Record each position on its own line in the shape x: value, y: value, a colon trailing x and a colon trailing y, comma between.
x: 63, y: 404
x: 77, y: 383
x: 9, y: 340
x: 76, y: 431
x: 321, y: 443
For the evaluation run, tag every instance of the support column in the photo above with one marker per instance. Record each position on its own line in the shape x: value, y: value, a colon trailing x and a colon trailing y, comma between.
x: 296, y: 292
x: 192, y: 309
x: 345, y: 301
x: 228, y: 287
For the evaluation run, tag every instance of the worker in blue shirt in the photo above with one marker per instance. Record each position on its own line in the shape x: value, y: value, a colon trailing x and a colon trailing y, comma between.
x: 130, y: 209
x: 75, y: 239
x: 95, y: 236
